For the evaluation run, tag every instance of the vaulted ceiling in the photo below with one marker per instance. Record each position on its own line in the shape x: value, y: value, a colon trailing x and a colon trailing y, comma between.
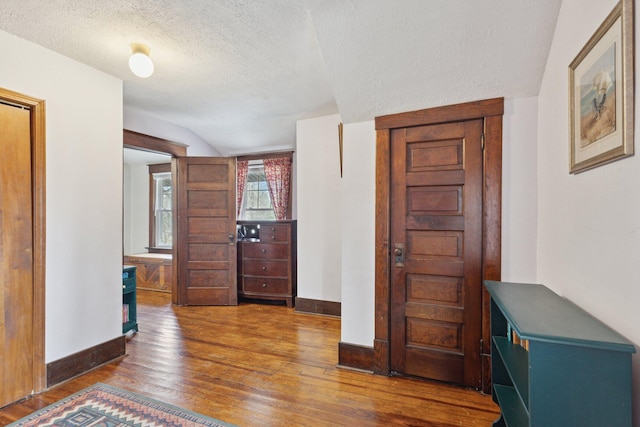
x: 240, y: 73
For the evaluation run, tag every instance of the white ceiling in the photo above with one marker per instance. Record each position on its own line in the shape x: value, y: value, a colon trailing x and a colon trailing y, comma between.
x: 239, y: 73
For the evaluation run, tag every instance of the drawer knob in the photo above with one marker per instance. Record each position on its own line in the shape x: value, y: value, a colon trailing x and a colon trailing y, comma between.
x: 264, y: 251
x: 264, y: 268
x: 124, y: 286
x: 264, y: 285
x: 273, y: 237
x: 273, y: 229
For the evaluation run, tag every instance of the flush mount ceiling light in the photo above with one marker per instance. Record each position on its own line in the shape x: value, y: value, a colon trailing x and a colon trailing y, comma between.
x: 140, y: 62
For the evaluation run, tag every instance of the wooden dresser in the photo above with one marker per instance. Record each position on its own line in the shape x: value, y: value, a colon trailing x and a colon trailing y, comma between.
x: 267, y: 266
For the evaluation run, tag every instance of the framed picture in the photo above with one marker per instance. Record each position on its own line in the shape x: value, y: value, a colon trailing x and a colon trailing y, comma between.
x: 601, y: 94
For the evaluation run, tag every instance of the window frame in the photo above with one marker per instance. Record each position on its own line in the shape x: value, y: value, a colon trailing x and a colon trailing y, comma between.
x: 282, y: 154
x: 156, y: 169
x: 243, y: 209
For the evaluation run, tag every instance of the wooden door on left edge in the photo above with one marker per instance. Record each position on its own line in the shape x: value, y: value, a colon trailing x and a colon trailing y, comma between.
x: 16, y: 256
x: 206, y: 231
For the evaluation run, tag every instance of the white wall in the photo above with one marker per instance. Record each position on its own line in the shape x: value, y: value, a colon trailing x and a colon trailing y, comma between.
x: 136, y: 208
x: 83, y: 191
x: 588, y: 242
x: 137, y: 121
x: 319, y: 209
x: 358, y: 233
x: 519, y: 190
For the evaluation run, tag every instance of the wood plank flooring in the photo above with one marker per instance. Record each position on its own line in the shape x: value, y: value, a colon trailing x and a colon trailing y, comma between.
x: 264, y: 365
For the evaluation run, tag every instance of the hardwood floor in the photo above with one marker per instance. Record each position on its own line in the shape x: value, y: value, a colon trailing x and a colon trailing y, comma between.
x: 264, y: 365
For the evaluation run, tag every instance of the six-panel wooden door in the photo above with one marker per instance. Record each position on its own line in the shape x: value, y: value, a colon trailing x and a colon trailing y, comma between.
x: 436, y: 261
x: 206, y: 231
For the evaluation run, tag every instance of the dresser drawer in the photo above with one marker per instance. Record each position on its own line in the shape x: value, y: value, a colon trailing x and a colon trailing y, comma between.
x: 256, y: 267
x: 265, y: 251
x: 274, y: 233
x: 266, y: 285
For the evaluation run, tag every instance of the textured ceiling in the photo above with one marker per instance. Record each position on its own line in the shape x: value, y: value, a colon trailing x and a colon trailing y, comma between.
x: 239, y: 73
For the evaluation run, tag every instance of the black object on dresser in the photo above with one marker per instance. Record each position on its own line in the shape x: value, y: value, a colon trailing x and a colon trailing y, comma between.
x: 267, y: 264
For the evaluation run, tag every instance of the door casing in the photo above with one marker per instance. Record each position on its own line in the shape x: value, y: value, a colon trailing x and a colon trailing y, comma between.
x: 38, y: 188
x: 491, y: 112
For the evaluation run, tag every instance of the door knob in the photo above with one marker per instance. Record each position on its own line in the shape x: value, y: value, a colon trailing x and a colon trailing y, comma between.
x: 398, y: 252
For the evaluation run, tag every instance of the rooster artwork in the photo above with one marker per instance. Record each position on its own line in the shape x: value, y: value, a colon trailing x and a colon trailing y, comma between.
x: 601, y: 84
x: 598, y: 96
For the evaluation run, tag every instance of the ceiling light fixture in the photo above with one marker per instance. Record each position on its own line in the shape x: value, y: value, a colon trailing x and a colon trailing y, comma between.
x: 140, y: 63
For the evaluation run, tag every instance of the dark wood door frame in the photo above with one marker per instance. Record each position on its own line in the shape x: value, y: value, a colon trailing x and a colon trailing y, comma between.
x: 491, y: 112
x: 38, y: 170
x: 140, y: 141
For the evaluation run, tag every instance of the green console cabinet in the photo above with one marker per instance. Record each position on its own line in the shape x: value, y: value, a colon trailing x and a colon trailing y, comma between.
x: 553, y: 364
x: 129, y: 309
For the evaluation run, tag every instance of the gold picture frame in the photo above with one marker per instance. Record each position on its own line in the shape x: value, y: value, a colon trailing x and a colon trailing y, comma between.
x: 601, y: 102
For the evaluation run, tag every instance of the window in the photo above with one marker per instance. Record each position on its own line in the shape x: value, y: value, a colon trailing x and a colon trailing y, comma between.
x: 256, y: 203
x: 161, y: 207
x: 264, y: 186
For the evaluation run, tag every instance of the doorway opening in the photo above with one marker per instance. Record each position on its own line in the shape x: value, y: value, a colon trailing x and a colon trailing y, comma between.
x: 148, y: 222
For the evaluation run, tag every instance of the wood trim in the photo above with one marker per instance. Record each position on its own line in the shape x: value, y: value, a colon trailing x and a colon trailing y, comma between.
x: 355, y: 356
x: 456, y: 112
x: 151, y: 209
x: 84, y: 361
x: 381, y: 357
x: 492, y: 233
x: 38, y: 133
x: 38, y: 170
x: 144, y: 142
x: 180, y: 225
x: 153, y: 250
x: 329, y: 308
x: 175, y: 290
x: 382, y: 272
x: 262, y: 156
x: 158, y: 168
x: 491, y: 111
x: 492, y: 199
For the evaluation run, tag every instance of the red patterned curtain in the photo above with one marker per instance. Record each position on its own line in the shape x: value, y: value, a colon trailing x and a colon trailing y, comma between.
x: 242, y: 167
x: 278, y: 173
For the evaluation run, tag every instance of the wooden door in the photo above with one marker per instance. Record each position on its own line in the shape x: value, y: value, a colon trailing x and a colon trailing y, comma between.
x: 16, y: 256
x: 436, y: 244
x: 206, y: 231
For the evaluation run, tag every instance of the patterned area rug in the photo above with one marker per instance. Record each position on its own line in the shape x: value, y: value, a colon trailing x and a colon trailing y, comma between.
x: 102, y: 405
